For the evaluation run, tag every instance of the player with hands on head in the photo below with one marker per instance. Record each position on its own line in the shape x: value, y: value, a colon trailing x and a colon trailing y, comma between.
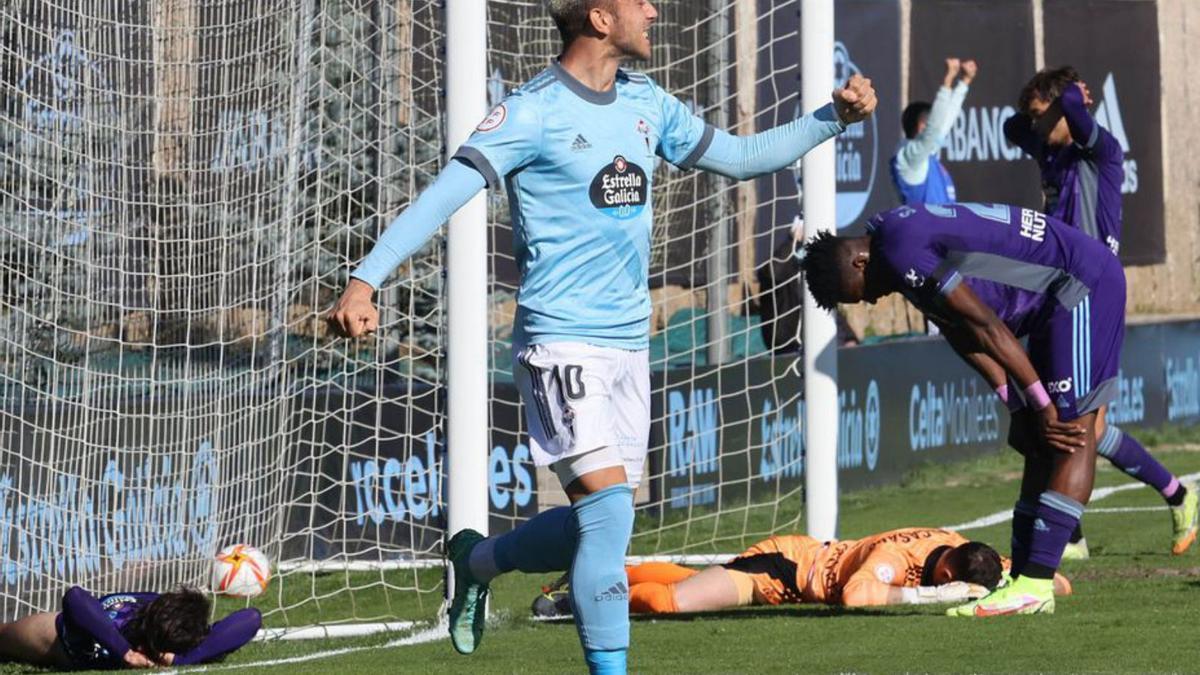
x: 576, y: 148
x: 1082, y: 170
x: 127, y: 630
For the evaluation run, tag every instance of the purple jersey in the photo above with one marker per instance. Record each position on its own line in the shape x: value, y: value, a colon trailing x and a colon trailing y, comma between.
x: 1082, y: 181
x: 92, y: 631
x: 79, y: 642
x: 1019, y: 262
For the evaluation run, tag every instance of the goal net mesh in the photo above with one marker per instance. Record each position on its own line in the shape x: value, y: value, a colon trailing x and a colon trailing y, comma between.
x: 185, y: 186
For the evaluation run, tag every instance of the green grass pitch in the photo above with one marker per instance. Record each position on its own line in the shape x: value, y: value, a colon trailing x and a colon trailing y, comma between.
x: 1136, y: 608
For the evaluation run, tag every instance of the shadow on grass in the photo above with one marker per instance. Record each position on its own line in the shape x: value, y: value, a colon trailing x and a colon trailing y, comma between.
x: 770, y: 612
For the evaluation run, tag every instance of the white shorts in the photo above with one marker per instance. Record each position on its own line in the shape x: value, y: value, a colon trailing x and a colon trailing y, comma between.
x: 580, y: 397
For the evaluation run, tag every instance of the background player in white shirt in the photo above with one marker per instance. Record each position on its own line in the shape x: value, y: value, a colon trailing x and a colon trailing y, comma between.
x: 575, y: 147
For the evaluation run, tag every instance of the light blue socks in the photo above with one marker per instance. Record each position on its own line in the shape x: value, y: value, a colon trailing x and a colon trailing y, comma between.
x: 599, y: 589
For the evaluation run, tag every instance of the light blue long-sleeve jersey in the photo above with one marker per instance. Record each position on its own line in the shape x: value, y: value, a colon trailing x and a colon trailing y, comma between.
x: 918, y: 175
x: 578, y: 165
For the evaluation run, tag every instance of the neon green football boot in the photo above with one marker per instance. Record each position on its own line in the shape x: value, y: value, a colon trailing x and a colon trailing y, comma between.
x: 1023, y: 596
x: 1184, y: 520
x: 468, y: 608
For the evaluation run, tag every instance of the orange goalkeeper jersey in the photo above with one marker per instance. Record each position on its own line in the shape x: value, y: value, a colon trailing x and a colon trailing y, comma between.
x: 853, y: 572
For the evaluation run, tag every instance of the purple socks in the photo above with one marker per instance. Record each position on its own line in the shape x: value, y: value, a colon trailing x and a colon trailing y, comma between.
x: 1129, y: 456
x: 1054, y: 519
x: 1022, y: 529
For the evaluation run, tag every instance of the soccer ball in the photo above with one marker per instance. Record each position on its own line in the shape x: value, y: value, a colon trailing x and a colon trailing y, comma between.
x: 240, y: 571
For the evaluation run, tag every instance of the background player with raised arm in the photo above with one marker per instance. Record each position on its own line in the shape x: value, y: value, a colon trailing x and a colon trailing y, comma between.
x: 1082, y: 169
x: 126, y: 630
x: 917, y: 173
x: 916, y: 566
x: 988, y: 274
x: 575, y: 147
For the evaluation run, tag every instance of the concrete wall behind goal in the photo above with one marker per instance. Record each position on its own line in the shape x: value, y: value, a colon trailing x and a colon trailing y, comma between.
x: 1174, y: 286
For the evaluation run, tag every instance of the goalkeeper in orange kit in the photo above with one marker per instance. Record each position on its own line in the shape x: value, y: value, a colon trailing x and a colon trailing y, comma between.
x: 905, y: 566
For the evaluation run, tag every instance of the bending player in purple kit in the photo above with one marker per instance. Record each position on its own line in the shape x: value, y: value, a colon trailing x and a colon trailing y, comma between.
x: 988, y: 274
x: 1082, y: 167
x: 126, y: 630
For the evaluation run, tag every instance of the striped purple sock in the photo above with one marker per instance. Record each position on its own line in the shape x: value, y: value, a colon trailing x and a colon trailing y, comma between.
x: 1129, y: 456
x: 1054, y: 520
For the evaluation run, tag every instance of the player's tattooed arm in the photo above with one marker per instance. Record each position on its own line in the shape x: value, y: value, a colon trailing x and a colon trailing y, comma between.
x: 968, y: 313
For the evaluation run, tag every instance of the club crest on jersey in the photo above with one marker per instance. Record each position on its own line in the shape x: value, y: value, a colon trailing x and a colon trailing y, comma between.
x: 620, y: 190
x: 494, y: 119
x: 915, y: 280
x: 885, y: 573
x: 644, y: 130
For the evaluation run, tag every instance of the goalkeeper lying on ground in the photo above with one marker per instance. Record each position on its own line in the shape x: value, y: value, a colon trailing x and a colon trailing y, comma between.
x: 906, y: 566
x: 126, y: 630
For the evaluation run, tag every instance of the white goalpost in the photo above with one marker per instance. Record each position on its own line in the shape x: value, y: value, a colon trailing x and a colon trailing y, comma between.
x: 820, y: 331
x: 184, y: 189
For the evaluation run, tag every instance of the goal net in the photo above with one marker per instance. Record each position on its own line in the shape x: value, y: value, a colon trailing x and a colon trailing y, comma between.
x: 185, y: 187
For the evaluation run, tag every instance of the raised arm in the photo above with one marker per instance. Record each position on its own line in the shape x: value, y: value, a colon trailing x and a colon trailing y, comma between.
x: 913, y: 157
x: 354, y: 314
x: 225, y: 636
x: 1085, y: 131
x: 1074, y: 101
x: 744, y: 157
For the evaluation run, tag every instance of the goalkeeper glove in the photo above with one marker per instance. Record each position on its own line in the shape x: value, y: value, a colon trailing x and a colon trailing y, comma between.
x: 955, y: 591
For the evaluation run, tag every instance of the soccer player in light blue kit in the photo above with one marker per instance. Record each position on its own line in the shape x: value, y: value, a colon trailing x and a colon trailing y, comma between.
x: 576, y: 147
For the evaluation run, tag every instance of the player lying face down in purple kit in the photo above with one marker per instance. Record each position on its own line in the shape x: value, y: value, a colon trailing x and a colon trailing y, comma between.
x: 126, y: 630
x: 988, y: 274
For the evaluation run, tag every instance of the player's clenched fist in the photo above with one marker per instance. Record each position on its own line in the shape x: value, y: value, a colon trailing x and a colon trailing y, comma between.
x: 354, y: 314
x: 854, y: 101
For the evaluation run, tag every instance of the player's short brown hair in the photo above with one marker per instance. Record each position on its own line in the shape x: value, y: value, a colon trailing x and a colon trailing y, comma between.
x: 1047, y: 84
x: 571, y: 16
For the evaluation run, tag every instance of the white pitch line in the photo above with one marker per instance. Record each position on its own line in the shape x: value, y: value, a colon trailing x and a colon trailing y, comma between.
x: 431, y: 634
x: 1127, y: 509
x: 1097, y: 494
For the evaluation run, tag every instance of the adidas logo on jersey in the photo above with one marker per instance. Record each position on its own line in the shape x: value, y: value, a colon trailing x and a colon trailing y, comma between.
x: 1108, y: 114
x: 580, y: 144
x: 617, y: 591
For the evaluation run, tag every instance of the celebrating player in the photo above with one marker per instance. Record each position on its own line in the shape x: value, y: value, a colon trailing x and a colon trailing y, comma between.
x: 1082, y: 169
x: 126, y: 630
x: 576, y: 148
x: 987, y: 274
x: 906, y: 566
x: 917, y: 173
